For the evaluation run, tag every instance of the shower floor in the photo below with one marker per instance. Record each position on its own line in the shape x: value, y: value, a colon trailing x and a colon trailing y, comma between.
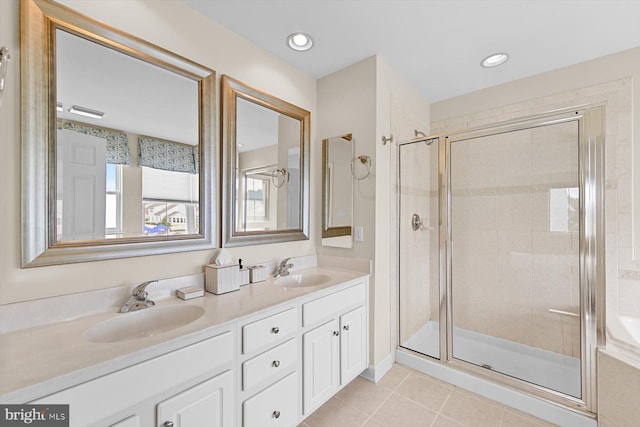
x: 542, y: 367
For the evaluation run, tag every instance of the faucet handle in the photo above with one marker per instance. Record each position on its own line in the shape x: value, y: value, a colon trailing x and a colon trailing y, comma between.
x: 140, y: 292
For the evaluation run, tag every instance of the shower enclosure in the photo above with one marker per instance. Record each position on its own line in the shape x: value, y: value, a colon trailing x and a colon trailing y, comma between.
x: 501, y: 252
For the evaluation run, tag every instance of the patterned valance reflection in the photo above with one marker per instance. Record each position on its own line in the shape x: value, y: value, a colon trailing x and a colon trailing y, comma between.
x: 167, y: 155
x: 117, y: 143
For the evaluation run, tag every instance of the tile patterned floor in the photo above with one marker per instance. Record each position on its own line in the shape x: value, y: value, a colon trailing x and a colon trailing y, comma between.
x: 408, y: 398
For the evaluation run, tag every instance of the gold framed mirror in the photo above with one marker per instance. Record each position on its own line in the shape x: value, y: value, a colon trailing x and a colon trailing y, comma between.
x: 337, y: 189
x: 265, y: 168
x: 118, y: 151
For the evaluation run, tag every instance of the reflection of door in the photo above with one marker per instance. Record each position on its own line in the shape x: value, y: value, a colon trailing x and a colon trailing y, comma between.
x: 81, y: 186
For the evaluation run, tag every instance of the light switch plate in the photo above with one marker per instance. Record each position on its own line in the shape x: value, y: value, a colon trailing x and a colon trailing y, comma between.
x: 358, y: 234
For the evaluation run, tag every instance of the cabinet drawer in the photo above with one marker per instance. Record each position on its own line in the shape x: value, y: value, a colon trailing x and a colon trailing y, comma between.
x: 268, y: 331
x: 274, y: 406
x: 269, y: 364
x: 322, y: 308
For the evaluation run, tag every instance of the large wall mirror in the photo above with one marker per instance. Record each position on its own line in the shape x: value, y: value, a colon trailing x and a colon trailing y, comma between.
x: 337, y: 191
x: 265, y: 152
x: 118, y: 143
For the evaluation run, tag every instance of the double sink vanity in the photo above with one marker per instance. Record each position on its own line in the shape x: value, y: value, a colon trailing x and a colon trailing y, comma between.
x: 268, y: 354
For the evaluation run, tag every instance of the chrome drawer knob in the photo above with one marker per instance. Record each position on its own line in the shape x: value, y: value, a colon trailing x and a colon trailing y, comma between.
x: 276, y: 414
x: 168, y: 424
x: 336, y: 333
x: 345, y: 327
x: 275, y: 330
x: 276, y: 363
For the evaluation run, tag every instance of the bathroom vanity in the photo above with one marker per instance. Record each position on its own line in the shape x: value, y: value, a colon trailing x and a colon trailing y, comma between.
x: 268, y: 354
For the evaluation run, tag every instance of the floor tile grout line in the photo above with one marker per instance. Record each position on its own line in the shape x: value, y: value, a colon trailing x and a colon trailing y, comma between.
x: 387, y: 398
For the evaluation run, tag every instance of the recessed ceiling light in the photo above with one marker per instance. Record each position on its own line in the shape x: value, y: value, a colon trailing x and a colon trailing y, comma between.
x: 494, y: 60
x: 94, y: 114
x: 300, y: 41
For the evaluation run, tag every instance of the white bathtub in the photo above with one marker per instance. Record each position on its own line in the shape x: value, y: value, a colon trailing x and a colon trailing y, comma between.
x: 623, y: 329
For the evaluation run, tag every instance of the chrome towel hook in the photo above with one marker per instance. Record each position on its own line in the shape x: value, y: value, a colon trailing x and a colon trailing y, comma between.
x: 385, y: 139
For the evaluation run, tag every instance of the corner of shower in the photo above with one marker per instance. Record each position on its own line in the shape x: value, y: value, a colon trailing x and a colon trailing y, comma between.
x: 500, y: 268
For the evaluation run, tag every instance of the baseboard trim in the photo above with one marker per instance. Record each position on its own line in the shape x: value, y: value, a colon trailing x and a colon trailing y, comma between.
x: 374, y: 373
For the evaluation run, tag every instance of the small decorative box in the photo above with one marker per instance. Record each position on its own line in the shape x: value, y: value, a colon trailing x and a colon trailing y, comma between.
x: 220, y: 279
x: 244, y: 276
x: 190, y: 292
x: 258, y: 273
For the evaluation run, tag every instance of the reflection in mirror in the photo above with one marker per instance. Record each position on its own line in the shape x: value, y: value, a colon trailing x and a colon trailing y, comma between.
x: 129, y: 129
x: 337, y: 191
x: 100, y: 192
x: 268, y: 145
x: 265, y: 145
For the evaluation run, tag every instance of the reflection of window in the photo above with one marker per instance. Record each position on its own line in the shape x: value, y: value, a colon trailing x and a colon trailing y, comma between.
x: 113, y: 206
x: 169, y: 202
x: 164, y: 217
x: 257, y: 195
x: 563, y: 209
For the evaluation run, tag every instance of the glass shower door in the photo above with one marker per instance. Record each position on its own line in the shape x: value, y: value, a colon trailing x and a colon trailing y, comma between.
x: 514, y: 257
x: 419, y: 313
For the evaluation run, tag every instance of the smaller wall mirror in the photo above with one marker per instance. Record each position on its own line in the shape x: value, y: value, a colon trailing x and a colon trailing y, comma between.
x: 265, y: 152
x: 337, y: 191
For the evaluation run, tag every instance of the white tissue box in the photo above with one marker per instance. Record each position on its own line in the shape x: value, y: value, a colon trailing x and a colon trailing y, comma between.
x: 258, y: 273
x: 220, y: 279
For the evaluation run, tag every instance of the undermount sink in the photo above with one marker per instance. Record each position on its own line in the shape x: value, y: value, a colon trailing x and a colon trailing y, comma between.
x: 302, y: 280
x: 143, y: 323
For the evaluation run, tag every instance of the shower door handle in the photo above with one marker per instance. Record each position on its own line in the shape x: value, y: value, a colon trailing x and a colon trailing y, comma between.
x: 417, y: 223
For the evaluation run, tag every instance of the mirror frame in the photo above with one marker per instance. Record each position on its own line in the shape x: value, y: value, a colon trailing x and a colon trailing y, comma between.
x: 344, y: 230
x: 38, y: 21
x: 231, y: 90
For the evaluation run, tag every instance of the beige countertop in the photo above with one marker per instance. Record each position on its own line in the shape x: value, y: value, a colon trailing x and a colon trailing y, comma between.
x: 39, y: 361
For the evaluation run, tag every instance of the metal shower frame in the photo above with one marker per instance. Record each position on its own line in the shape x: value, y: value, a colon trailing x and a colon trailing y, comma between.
x: 591, y: 138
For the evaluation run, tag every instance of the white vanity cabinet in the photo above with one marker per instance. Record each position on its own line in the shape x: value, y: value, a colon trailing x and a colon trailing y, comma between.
x: 335, y: 352
x: 187, y: 387
x: 268, y: 364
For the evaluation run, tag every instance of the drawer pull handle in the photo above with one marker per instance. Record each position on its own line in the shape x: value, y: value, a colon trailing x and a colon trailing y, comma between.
x: 168, y: 424
x: 275, y: 330
x: 345, y: 327
x: 336, y: 333
x: 276, y: 363
x: 276, y: 414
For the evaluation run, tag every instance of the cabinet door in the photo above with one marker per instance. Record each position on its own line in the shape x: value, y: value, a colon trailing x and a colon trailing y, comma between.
x: 353, y: 344
x: 207, y: 404
x: 321, y: 357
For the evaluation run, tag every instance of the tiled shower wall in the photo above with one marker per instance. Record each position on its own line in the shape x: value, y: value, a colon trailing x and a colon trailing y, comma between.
x: 515, y: 254
x: 622, y: 272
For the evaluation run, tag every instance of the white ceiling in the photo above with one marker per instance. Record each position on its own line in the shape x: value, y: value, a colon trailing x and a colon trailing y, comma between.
x: 436, y: 45
x: 135, y: 96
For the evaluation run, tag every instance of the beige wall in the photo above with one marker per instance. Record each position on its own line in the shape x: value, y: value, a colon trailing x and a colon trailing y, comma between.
x: 358, y: 100
x: 178, y: 28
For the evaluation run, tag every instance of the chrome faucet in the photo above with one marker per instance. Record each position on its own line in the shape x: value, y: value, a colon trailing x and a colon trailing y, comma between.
x: 138, y: 299
x: 283, y: 268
